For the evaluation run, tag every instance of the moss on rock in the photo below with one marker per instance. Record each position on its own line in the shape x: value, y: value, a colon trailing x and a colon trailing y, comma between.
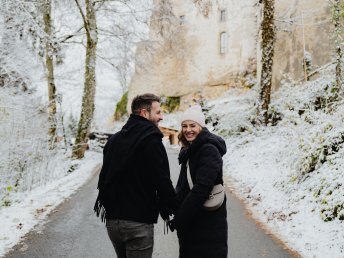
x: 121, y: 107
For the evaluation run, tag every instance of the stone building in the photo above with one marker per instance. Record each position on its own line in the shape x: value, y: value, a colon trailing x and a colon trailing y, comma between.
x: 206, y: 47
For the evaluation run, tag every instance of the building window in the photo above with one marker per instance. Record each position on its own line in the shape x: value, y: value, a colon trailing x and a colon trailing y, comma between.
x: 182, y: 19
x: 222, y: 15
x: 223, y: 42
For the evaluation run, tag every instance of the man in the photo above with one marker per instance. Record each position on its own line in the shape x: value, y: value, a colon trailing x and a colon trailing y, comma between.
x: 134, y: 182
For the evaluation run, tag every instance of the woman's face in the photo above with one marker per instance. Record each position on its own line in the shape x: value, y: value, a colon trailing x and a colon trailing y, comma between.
x: 190, y: 130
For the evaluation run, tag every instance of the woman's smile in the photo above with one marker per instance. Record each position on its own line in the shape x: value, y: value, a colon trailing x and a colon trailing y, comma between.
x: 190, y: 130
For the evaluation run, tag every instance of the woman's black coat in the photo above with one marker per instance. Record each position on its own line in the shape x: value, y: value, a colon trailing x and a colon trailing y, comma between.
x: 201, y: 233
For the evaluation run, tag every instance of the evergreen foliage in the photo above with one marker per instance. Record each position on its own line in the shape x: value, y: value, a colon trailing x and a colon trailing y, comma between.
x: 170, y: 104
x: 121, y: 107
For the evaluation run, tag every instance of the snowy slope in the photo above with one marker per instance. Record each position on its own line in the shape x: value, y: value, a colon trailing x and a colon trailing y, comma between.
x: 282, y: 172
x: 30, y: 209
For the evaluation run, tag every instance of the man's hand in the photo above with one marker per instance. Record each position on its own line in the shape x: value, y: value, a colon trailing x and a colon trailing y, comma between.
x: 165, y: 212
x: 172, y: 224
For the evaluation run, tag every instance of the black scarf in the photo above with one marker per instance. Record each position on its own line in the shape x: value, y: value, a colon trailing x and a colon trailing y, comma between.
x: 119, y: 152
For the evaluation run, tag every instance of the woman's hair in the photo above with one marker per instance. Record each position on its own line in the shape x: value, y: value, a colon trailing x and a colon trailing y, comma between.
x: 143, y: 102
x: 181, y: 139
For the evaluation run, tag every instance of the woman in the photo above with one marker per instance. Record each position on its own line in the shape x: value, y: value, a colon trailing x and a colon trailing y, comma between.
x: 201, y: 233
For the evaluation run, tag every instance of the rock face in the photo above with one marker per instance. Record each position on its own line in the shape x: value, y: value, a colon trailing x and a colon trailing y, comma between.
x: 203, y: 47
x: 302, y: 24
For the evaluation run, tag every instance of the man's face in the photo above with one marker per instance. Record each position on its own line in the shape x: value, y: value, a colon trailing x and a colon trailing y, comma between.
x: 155, y: 115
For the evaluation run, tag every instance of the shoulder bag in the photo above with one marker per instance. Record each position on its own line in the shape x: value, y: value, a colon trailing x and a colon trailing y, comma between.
x: 216, y: 197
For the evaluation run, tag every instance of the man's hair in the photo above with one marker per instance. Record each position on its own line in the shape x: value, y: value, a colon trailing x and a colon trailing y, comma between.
x: 143, y: 102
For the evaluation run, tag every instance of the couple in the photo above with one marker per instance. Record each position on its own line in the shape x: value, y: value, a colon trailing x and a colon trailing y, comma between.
x: 134, y: 185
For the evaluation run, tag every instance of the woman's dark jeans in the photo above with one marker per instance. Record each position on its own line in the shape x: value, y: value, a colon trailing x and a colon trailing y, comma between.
x: 131, y: 239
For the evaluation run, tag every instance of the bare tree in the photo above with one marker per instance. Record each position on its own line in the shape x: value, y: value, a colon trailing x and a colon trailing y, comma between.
x: 339, y: 44
x: 123, y: 28
x: 124, y: 66
x: 28, y: 27
x: 117, y: 29
x: 49, y: 62
x: 267, y: 44
x: 87, y: 106
x: 13, y: 65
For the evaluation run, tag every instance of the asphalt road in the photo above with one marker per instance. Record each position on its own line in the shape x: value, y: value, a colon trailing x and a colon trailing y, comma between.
x: 73, y: 230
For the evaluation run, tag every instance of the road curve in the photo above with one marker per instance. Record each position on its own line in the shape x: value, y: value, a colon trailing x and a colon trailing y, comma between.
x: 72, y: 230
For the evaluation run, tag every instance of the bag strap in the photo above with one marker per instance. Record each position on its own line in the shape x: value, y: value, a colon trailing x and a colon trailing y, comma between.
x: 188, y: 174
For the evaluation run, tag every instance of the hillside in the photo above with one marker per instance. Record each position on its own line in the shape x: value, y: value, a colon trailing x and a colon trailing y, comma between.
x: 290, y: 173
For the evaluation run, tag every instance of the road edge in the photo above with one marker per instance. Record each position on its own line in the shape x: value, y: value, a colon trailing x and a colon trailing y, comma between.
x: 230, y: 189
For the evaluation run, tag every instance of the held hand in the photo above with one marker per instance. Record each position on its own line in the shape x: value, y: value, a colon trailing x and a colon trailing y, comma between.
x: 171, y: 224
x: 164, y: 213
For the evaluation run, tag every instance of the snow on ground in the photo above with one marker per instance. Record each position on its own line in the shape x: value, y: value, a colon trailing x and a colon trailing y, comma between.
x: 289, y: 175
x: 31, y: 208
x: 260, y: 173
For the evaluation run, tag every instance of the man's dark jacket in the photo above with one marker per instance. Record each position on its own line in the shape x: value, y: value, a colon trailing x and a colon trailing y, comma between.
x: 135, y: 178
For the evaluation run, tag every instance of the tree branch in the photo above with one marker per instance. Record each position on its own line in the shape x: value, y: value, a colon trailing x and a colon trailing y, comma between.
x: 65, y: 38
x: 83, y: 16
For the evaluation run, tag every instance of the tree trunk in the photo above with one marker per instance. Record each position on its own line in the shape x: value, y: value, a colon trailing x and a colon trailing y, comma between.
x: 339, y: 44
x: 87, y: 108
x: 50, y: 71
x: 267, y: 41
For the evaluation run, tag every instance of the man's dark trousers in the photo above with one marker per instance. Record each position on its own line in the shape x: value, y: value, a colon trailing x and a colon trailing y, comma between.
x: 131, y: 239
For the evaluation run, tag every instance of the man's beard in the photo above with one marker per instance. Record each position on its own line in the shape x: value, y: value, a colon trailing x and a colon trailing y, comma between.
x: 156, y: 123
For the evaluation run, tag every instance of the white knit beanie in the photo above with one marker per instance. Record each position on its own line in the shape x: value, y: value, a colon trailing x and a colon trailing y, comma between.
x: 194, y: 113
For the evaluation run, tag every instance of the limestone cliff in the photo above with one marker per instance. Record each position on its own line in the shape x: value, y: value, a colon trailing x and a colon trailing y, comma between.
x: 204, y: 47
